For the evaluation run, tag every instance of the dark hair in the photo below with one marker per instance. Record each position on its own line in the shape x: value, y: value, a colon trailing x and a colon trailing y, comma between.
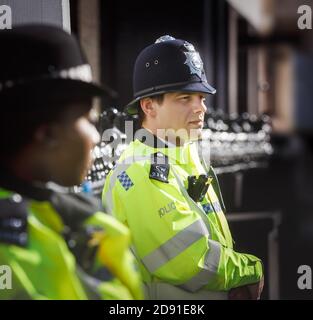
x: 141, y: 115
x: 23, y: 112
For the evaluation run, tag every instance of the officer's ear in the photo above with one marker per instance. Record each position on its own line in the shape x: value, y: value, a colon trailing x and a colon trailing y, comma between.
x: 148, y: 107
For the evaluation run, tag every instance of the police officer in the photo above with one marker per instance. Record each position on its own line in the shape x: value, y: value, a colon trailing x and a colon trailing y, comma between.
x: 56, y: 245
x: 167, y: 195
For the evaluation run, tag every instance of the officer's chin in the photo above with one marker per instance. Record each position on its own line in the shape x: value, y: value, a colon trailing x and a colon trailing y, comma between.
x: 70, y: 181
x: 195, y: 134
x: 74, y: 179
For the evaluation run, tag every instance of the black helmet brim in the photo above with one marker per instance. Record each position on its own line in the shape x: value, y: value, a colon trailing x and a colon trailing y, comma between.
x: 59, y: 88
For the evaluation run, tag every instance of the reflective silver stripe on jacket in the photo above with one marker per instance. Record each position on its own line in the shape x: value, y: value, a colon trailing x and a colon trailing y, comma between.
x: 175, y: 245
x: 209, y: 269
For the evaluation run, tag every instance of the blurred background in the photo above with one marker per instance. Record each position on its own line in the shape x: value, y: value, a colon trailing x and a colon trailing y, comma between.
x: 259, y: 125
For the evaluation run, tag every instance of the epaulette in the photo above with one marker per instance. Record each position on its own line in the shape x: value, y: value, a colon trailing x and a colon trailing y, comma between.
x: 160, y: 167
x: 13, y: 221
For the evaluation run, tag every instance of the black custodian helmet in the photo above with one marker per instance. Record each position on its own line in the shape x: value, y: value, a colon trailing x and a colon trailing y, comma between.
x: 46, y: 61
x: 168, y: 65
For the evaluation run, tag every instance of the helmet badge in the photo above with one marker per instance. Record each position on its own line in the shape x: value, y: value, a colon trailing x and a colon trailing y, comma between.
x: 193, y: 60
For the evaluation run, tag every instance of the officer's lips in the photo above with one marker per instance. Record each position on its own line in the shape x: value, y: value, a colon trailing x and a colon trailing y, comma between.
x: 198, y: 122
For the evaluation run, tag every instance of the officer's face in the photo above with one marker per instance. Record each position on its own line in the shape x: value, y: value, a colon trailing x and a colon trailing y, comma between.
x: 74, y: 136
x: 182, y: 111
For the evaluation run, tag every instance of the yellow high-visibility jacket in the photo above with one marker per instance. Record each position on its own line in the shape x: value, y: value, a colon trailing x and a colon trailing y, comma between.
x: 60, y: 246
x: 184, y: 248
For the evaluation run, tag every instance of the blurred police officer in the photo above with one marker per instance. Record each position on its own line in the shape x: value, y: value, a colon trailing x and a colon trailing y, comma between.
x: 58, y: 245
x: 167, y: 195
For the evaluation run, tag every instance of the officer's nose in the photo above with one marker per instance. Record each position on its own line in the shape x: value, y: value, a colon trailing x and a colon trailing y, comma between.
x: 199, y: 105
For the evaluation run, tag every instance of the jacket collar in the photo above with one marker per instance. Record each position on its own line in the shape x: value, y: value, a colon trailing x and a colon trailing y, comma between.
x: 73, y: 208
x: 176, y: 154
x: 33, y: 191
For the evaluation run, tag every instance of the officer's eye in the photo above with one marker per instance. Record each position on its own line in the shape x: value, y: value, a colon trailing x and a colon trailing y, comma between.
x: 202, y: 97
x: 184, y: 98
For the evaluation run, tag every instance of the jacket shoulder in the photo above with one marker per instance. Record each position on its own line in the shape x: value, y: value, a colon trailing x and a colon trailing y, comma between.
x: 75, y: 209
